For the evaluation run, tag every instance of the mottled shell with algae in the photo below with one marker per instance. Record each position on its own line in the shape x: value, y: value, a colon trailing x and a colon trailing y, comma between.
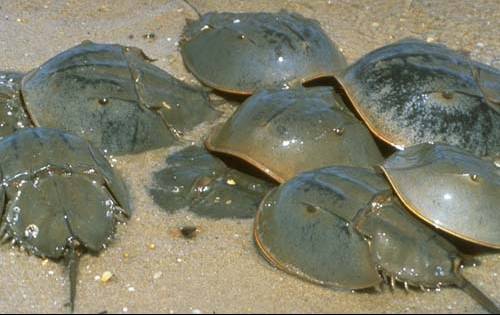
x: 413, y: 92
x: 114, y: 97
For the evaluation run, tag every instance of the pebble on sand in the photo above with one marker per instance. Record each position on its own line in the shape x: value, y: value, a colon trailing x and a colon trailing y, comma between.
x: 106, y: 276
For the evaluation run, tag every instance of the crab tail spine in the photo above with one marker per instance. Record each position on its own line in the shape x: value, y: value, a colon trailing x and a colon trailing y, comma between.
x: 195, y: 9
x: 477, y: 295
x: 72, y: 263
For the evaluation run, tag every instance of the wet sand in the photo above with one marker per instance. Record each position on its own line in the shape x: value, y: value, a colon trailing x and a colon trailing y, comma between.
x: 220, y: 270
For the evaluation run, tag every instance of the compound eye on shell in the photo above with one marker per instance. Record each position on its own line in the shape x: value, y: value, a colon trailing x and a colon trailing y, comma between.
x: 103, y: 101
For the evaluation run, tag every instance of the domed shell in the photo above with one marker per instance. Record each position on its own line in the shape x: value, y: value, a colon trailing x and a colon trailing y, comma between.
x: 114, y: 97
x: 243, y: 52
x: 59, y: 197
x: 413, y: 92
x: 286, y: 132
x: 450, y: 189
x: 322, y: 224
x: 33, y: 150
x: 305, y: 227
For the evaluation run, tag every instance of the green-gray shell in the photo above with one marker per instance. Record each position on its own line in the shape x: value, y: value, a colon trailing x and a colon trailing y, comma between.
x: 405, y: 249
x: 12, y: 114
x: 342, y: 226
x: 450, y: 189
x: 413, y: 92
x: 243, y: 52
x: 304, y: 227
x: 56, y: 188
x: 285, y: 132
x: 195, y: 179
x: 114, y: 97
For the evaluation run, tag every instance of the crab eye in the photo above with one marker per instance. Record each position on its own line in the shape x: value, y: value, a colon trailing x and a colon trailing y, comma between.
x: 447, y: 95
x: 474, y: 177
x: 103, y: 101
x: 311, y: 209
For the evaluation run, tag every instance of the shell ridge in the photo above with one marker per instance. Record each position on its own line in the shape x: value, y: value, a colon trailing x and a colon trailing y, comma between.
x: 136, y: 75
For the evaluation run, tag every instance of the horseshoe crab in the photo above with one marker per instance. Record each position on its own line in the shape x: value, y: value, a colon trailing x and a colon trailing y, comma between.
x: 341, y: 227
x: 450, y: 189
x: 413, y: 92
x: 203, y: 182
x: 114, y: 97
x: 285, y: 132
x: 12, y: 115
x: 242, y: 52
x: 60, y: 196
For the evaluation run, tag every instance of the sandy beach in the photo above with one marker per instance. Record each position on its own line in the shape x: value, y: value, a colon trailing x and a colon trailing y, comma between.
x: 219, y: 271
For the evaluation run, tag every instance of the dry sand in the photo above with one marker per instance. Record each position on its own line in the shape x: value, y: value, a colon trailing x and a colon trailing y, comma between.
x: 220, y: 270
